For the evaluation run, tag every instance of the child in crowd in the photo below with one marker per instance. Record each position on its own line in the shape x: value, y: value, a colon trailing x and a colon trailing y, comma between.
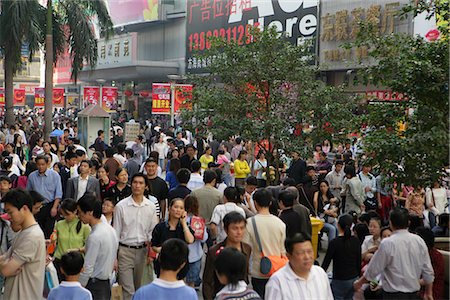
x: 71, y: 289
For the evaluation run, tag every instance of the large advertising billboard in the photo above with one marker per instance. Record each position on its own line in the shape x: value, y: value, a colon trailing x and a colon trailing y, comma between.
x: 125, y: 12
x: 231, y: 20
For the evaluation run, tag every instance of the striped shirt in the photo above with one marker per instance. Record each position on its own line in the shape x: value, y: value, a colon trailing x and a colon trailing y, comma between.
x: 286, y: 285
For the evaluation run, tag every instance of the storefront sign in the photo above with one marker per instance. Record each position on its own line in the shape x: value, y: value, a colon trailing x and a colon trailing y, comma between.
x: 91, y: 95
x: 340, y: 24
x: 131, y: 131
x: 161, y: 93
x: 231, y: 20
x: 109, y: 98
x: 19, y: 97
x: 385, y: 96
x: 118, y: 50
x: 2, y: 97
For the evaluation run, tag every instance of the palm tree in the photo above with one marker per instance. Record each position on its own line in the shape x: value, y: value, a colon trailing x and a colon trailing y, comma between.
x: 70, y: 23
x: 20, y: 24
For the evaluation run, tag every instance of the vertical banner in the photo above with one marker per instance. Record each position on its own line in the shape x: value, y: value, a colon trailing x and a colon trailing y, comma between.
x: 183, y: 97
x: 91, y: 95
x: 2, y: 97
x: 161, y: 98
x: 19, y: 97
x: 58, y: 97
x: 109, y: 98
x: 39, y: 97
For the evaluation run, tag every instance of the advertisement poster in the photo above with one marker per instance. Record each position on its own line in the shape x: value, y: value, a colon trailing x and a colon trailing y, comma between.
x: 2, y: 97
x: 183, y: 96
x: 161, y: 98
x: 109, y: 98
x: 91, y: 95
x: 232, y: 19
x: 125, y: 12
x: 19, y: 97
x: 58, y: 97
x: 39, y: 97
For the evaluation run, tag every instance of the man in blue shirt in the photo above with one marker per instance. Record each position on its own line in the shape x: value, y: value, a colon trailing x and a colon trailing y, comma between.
x: 173, y: 260
x: 47, y: 183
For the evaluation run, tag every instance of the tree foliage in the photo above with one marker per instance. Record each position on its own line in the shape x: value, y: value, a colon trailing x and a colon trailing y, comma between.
x: 419, y: 69
x: 266, y: 90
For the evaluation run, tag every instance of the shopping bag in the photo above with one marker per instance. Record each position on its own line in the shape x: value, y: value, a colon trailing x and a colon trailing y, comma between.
x: 198, y: 226
x: 116, y: 292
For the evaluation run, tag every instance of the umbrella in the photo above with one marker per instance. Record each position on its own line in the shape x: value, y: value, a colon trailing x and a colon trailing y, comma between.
x: 57, y: 133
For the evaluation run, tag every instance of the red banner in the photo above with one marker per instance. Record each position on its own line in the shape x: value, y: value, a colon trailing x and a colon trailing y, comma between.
x: 183, y: 96
x: 39, y: 97
x: 161, y: 98
x: 109, y: 98
x: 19, y: 97
x: 91, y: 95
x: 2, y: 97
x: 58, y: 97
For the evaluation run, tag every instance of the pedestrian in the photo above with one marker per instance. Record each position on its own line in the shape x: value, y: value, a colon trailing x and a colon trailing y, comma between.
x: 231, y: 198
x: 326, y: 208
x: 135, y: 217
x: 100, y: 250
x: 297, y: 169
x: 196, y: 179
x: 71, y: 233
x: 208, y: 196
x: 271, y: 233
x: 206, y: 158
x: 48, y: 183
x: 84, y: 182
x: 231, y: 268
x: 105, y: 183
x: 171, y: 174
x: 173, y: 260
x: 121, y: 189
x: 369, y: 184
x: 180, y: 191
x: 132, y: 164
x: 402, y: 253
x: 260, y: 167
x: 157, y: 187
x: 353, y: 191
x: 71, y: 266
x: 24, y: 263
x: 299, y: 278
x: 372, y: 241
x: 335, y: 178
x: 345, y: 252
x: 289, y: 216
x: 241, y: 168
x: 234, y: 225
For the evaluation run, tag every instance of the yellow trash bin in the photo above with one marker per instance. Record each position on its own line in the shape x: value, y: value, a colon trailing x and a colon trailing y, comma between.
x: 317, y: 225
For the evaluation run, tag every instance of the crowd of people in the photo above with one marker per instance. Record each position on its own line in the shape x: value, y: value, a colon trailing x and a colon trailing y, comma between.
x: 143, y: 215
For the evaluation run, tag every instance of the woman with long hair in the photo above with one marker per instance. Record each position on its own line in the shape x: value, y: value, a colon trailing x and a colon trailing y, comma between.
x: 105, y: 183
x: 195, y: 249
x: 19, y: 147
x: 206, y: 158
x: 329, y: 213
x: 260, y: 167
x: 345, y: 251
x: 71, y: 233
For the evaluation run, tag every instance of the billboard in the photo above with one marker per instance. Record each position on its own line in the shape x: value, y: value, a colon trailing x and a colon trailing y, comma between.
x: 109, y: 98
x: 125, y: 12
x: 231, y: 19
x: 161, y: 93
x: 91, y: 95
x: 57, y: 97
x: 2, y: 97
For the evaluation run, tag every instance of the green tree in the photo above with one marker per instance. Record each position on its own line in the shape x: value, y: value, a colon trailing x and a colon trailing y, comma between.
x: 20, y: 25
x: 419, y: 69
x: 70, y: 23
x: 266, y: 90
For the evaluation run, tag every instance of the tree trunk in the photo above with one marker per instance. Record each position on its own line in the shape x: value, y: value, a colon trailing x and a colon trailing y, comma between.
x: 48, y: 112
x: 9, y: 89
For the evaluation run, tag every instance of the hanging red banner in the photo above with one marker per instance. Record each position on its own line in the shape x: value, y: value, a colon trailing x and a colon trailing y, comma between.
x: 39, y: 97
x: 161, y: 98
x: 19, y: 97
x: 2, y: 97
x: 109, y: 98
x: 58, y: 97
x: 91, y: 95
x: 183, y: 97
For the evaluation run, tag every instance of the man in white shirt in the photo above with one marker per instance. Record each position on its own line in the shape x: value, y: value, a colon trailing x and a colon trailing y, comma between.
x: 403, y: 260
x: 335, y: 179
x: 196, y: 180
x: 370, y: 187
x: 299, y: 278
x: 134, y: 220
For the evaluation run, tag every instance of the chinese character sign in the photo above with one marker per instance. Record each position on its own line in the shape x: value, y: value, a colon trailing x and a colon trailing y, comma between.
x: 2, y: 97
x: 58, y: 97
x: 91, y: 95
x: 183, y: 97
x: 19, y: 97
x: 39, y: 97
x: 232, y: 19
x: 109, y: 98
x: 161, y: 93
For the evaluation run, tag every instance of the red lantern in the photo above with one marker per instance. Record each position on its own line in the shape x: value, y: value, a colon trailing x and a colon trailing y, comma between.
x: 144, y: 94
x: 128, y: 93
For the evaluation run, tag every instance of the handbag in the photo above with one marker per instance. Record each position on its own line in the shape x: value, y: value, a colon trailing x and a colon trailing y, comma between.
x: 116, y: 288
x: 268, y: 264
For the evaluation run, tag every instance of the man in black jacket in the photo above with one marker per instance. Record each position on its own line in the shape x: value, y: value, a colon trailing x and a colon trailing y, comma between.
x: 297, y: 170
